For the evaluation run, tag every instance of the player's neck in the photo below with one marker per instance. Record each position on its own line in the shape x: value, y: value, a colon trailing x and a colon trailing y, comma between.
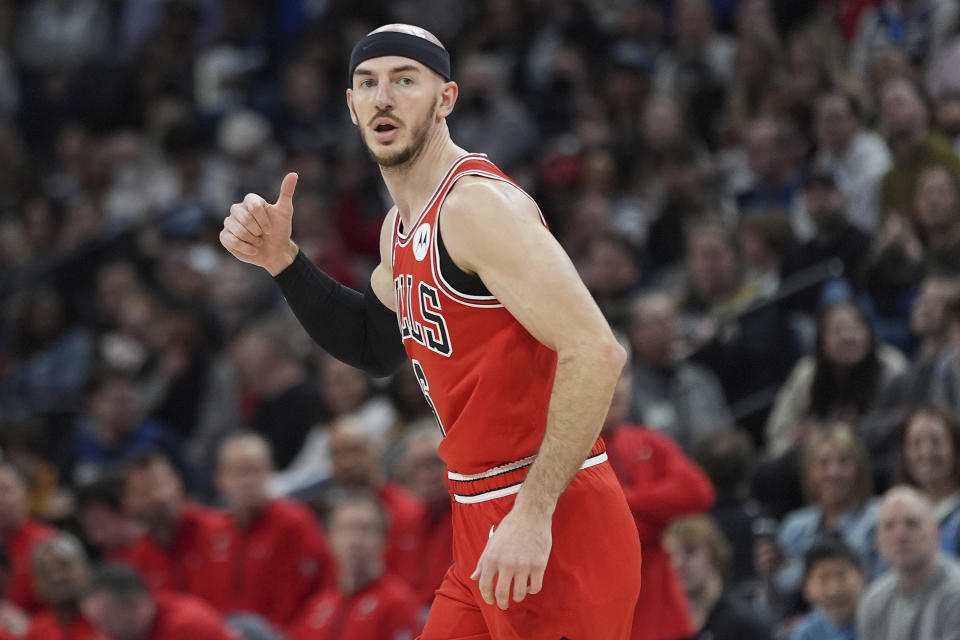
x: 412, y: 185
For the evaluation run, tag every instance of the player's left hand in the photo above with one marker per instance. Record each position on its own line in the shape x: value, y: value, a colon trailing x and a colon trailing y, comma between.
x: 516, y: 554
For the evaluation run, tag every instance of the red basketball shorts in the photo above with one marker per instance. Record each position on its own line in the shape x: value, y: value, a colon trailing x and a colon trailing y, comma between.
x: 592, y: 578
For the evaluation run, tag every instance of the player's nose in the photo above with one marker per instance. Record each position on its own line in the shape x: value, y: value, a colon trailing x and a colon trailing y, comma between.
x: 384, y: 97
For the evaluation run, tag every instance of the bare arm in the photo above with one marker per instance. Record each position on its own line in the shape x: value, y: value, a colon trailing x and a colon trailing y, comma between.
x: 495, y: 231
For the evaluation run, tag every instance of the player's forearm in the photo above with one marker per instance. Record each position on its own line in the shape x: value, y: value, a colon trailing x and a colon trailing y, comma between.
x: 582, y: 389
x: 352, y: 326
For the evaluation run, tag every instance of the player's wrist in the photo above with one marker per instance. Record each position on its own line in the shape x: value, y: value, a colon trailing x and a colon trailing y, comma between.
x: 535, y: 504
x: 284, y: 260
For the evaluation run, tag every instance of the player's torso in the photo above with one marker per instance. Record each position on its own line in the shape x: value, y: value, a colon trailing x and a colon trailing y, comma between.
x: 487, y: 379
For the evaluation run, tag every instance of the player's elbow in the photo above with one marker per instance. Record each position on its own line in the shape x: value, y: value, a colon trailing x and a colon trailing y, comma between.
x: 611, y: 354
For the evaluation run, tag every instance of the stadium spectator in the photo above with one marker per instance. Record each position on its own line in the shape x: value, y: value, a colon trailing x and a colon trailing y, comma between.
x: 857, y: 157
x: 357, y: 466
x: 104, y: 524
x: 26, y: 444
x: 52, y: 355
x: 701, y: 556
x: 121, y: 605
x: 420, y: 469
x: 904, y: 121
x: 930, y: 461
x: 670, y: 394
x: 489, y: 119
x: 936, y: 205
x: 765, y: 241
x: 920, y: 31
x: 611, y: 273
x: 849, y: 378
x: 660, y: 484
x: 113, y: 429
x: 928, y: 323
x: 20, y: 535
x: 833, y: 581
x: 837, y: 483
x: 270, y: 541
x: 834, y: 237
x: 13, y: 620
x: 918, y: 598
x: 61, y: 569
x: 773, y: 161
x: 700, y: 67
x: 745, y: 341
x: 366, y: 602
x: 346, y: 393
x: 278, y: 391
x: 680, y: 193
x: 184, y: 541
x: 727, y: 456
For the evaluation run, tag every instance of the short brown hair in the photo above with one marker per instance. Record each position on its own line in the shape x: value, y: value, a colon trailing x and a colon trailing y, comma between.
x: 702, y: 531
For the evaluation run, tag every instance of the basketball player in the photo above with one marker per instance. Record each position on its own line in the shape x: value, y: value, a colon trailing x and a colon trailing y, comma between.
x: 510, y: 351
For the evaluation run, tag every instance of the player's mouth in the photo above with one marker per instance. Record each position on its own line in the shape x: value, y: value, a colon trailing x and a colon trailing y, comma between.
x: 385, y: 130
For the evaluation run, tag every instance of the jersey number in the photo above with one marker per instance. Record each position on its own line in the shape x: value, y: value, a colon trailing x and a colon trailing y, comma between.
x: 425, y: 387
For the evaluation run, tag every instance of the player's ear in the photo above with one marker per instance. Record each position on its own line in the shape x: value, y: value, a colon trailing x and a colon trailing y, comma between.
x: 448, y: 98
x: 353, y: 114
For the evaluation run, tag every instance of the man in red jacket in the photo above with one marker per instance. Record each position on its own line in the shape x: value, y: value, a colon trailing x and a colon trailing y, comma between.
x: 278, y: 554
x: 120, y: 604
x: 356, y: 464
x: 367, y: 602
x: 20, y: 535
x: 660, y: 484
x: 421, y: 470
x: 61, y: 569
x: 186, y: 545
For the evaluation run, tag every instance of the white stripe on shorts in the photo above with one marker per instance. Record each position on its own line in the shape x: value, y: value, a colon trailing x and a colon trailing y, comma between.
x: 515, y: 488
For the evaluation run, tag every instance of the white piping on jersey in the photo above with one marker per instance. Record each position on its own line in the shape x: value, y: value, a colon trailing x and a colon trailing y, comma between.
x: 402, y: 239
x: 515, y: 488
x: 495, y: 471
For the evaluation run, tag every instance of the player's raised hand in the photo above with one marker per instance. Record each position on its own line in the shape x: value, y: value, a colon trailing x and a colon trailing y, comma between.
x: 258, y: 232
x: 516, y: 554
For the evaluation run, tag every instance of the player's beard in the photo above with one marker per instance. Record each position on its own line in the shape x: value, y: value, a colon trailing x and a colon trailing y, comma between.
x: 407, y: 155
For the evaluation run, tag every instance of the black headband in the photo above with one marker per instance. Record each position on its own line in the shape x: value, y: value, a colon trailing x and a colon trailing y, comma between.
x: 405, y: 45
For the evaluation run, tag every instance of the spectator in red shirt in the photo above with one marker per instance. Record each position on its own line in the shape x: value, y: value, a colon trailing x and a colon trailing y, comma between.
x: 102, y: 519
x: 367, y: 602
x: 20, y: 534
x: 660, y: 484
x: 272, y: 541
x: 357, y: 465
x: 421, y: 470
x: 119, y: 603
x: 186, y: 545
x: 12, y: 618
x: 60, y: 570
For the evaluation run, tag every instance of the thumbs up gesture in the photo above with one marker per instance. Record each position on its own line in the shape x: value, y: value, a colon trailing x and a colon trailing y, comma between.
x: 258, y: 232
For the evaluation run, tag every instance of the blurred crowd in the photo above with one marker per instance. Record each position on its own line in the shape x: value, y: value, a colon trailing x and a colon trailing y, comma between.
x: 762, y: 196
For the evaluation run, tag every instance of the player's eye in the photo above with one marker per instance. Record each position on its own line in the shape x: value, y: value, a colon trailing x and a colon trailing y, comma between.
x: 366, y: 84
x: 405, y: 81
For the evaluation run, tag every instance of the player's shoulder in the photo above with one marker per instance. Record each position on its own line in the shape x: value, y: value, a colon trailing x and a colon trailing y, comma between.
x: 495, y: 198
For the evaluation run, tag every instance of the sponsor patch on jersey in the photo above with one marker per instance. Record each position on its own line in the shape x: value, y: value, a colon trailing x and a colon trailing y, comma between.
x: 421, y: 241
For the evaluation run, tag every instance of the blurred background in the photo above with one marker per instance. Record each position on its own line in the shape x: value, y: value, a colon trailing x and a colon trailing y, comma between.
x: 763, y: 197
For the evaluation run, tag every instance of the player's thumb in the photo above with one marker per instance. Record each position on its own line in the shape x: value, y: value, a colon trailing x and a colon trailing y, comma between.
x: 287, y: 187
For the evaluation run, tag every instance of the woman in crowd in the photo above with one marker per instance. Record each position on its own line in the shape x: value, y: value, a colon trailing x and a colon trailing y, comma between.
x: 850, y: 378
x: 837, y: 484
x: 929, y: 461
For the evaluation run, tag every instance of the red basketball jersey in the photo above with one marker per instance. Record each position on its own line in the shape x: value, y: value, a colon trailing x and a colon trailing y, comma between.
x: 487, y: 379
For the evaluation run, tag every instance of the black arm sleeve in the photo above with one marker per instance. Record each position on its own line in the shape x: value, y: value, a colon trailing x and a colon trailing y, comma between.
x: 352, y: 326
